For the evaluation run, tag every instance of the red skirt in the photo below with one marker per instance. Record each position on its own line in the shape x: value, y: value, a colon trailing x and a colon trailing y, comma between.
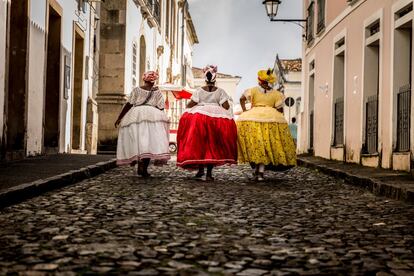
x: 205, y: 140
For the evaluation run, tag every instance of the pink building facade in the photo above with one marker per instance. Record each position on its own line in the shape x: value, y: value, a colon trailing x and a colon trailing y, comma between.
x: 357, y: 79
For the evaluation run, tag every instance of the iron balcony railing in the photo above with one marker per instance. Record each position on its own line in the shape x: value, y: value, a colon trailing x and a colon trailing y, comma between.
x: 311, y: 129
x: 155, y: 9
x: 371, y: 125
x: 321, y: 16
x: 403, y: 118
x: 310, y: 22
x: 339, y: 122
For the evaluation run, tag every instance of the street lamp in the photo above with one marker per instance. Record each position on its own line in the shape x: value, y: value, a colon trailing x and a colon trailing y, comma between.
x: 272, y: 7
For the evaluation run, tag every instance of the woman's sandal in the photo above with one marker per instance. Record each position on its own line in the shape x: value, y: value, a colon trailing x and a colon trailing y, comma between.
x: 140, y: 170
x: 145, y: 175
x: 199, y: 175
x: 259, y: 177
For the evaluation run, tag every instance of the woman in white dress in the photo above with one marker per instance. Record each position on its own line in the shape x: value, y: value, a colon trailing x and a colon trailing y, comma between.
x: 143, y: 127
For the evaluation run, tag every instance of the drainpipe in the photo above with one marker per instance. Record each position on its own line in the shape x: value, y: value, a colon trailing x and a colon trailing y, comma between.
x: 183, y: 82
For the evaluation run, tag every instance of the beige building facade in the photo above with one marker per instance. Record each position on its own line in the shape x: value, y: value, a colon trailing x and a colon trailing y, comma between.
x: 357, y: 74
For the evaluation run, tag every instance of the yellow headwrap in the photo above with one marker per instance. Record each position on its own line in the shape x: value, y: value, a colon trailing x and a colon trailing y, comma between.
x: 267, y: 76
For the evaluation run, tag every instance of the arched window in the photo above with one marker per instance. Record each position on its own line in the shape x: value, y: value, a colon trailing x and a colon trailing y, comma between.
x: 142, y: 57
x: 134, y: 64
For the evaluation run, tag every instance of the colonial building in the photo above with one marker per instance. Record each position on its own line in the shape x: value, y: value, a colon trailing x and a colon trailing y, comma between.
x: 357, y: 79
x: 289, y: 76
x: 136, y: 36
x: 47, y: 75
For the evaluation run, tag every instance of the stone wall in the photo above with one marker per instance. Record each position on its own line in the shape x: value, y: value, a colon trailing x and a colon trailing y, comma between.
x: 111, y: 95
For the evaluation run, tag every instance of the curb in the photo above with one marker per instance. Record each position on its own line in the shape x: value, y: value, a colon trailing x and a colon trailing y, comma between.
x: 375, y: 186
x: 32, y: 189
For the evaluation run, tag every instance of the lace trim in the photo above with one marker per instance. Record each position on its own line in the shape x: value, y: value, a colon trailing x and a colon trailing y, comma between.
x: 214, y: 115
x: 160, y: 159
x: 207, y: 161
x: 144, y: 121
x: 280, y: 121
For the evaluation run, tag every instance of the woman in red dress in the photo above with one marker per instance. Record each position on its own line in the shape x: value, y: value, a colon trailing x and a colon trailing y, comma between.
x: 207, y: 133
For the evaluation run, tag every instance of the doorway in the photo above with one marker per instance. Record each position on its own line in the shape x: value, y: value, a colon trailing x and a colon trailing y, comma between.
x: 15, y: 109
x: 339, y: 93
x: 52, y: 98
x: 77, y: 89
x: 403, y: 48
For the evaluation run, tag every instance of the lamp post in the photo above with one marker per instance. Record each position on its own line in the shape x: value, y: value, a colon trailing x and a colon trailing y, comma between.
x: 272, y: 7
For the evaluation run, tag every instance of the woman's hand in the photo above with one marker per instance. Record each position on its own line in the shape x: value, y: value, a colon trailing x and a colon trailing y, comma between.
x: 243, y: 100
x: 117, y: 123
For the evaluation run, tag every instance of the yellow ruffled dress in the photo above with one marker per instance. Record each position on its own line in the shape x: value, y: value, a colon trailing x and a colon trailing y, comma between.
x: 263, y: 133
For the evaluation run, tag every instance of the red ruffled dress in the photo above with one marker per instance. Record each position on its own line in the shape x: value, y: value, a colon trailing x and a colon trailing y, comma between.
x: 207, y: 133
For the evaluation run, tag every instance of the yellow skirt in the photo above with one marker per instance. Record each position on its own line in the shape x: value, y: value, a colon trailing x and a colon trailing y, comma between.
x: 270, y: 144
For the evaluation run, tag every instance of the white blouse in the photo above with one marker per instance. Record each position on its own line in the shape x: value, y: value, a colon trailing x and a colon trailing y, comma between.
x: 139, y: 95
x: 219, y: 97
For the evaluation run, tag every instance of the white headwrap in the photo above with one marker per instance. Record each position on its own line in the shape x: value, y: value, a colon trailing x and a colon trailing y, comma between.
x: 212, y: 69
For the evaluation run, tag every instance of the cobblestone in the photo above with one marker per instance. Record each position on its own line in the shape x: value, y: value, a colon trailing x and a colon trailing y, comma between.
x: 296, y: 223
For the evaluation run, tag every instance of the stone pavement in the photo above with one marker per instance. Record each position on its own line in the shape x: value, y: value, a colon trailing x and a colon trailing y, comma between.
x: 393, y: 184
x: 297, y: 223
x: 41, y: 167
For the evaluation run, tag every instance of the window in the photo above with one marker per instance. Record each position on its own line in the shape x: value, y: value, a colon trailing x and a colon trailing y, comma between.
x: 402, y: 79
x: 298, y: 103
x: 339, y: 92
x: 371, y: 86
x: 81, y: 5
x: 167, y: 19
x: 321, y: 15
x: 134, y: 64
x: 311, y: 102
x: 157, y: 11
x: 311, y: 14
x: 404, y: 11
x: 351, y: 2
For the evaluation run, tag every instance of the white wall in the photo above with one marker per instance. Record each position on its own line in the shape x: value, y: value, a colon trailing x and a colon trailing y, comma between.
x: 70, y: 16
x: 38, y: 15
x: 136, y: 27
x: 3, y: 32
x: 36, y: 77
x: 293, y: 88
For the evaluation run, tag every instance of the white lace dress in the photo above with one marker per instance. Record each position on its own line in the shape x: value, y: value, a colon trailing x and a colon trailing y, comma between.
x: 144, y: 130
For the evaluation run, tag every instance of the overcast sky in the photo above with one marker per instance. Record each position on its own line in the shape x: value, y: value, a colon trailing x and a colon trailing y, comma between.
x: 238, y: 36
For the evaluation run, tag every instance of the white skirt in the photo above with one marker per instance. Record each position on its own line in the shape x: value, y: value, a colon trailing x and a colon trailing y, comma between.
x: 143, y: 133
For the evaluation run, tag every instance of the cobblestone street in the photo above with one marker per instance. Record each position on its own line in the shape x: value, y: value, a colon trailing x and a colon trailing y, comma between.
x: 297, y: 223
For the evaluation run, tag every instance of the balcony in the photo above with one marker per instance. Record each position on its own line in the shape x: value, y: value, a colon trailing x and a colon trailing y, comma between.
x: 151, y: 10
x: 351, y: 2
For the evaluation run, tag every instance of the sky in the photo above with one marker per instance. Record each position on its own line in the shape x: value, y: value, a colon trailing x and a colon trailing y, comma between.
x: 238, y: 36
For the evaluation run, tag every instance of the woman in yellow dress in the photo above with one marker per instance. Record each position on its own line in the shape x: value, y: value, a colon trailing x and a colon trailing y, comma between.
x: 264, y: 139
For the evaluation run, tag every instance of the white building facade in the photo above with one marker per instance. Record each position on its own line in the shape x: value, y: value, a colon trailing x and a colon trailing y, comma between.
x: 289, y: 73
x: 46, y: 77
x: 137, y: 36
